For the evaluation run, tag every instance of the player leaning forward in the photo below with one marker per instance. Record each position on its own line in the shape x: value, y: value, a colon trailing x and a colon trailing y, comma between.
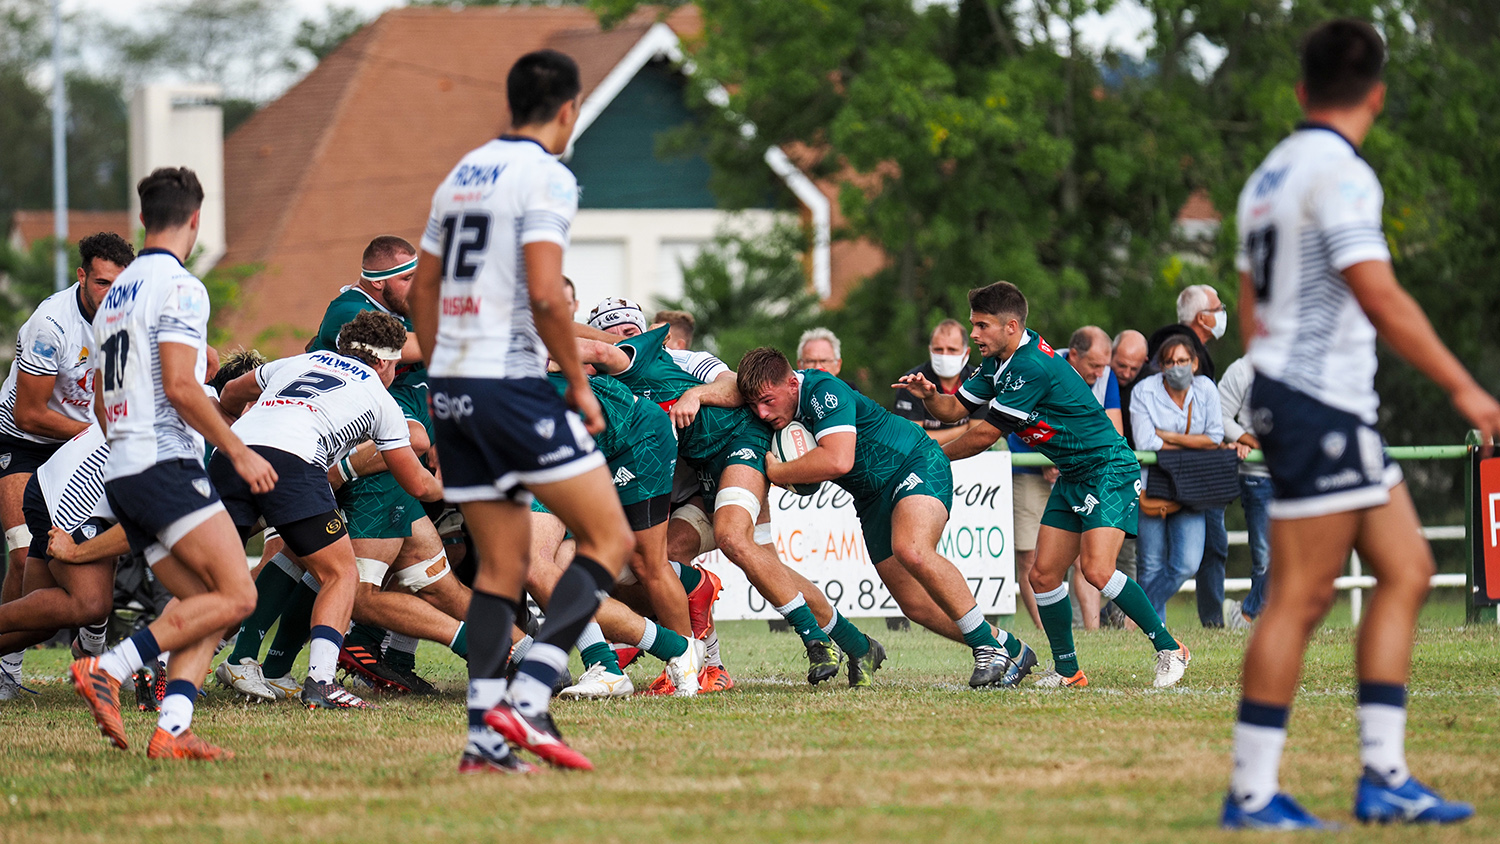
x: 902, y: 487
x: 489, y: 306
x: 1316, y: 288
x: 1034, y: 392
x: 149, y: 364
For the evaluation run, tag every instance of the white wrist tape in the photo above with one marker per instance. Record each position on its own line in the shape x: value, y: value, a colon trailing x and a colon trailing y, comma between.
x: 17, y: 537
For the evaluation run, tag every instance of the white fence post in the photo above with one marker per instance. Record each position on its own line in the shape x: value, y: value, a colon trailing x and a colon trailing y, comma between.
x: 1356, y: 594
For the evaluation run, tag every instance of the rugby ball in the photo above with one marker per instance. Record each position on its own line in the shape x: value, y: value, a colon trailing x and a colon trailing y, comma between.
x: 790, y: 443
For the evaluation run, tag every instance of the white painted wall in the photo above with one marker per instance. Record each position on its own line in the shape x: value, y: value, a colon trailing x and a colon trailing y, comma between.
x: 636, y: 253
x: 182, y: 126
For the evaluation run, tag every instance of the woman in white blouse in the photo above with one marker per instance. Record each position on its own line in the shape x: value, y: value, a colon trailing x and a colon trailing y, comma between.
x: 1175, y: 408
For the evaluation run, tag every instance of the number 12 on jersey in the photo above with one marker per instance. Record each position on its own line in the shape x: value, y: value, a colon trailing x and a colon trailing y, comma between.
x: 469, y: 232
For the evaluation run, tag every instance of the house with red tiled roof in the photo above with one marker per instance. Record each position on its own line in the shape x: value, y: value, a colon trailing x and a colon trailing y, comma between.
x: 28, y: 227
x: 356, y: 148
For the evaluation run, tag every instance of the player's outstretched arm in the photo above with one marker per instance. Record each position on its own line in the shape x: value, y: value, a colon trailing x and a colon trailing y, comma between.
x: 411, y: 475
x: 111, y: 543
x: 603, y: 355
x: 980, y: 436
x: 723, y: 391
x: 180, y: 383
x: 940, y: 405
x: 1402, y: 324
x: 240, y: 394
x: 426, y: 289
x: 553, y: 316
x: 833, y: 458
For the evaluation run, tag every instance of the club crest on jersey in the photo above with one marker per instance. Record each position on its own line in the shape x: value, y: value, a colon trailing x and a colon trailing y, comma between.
x: 1334, y: 443
x: 203, y: 487
x: 4, y: 461
x: 88, y: 531
x: 545, y: 428
x: 1013, y: 382
x: 1037, y: 434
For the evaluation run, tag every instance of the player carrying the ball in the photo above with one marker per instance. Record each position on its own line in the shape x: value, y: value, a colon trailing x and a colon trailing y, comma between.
x: 1093, y: 507
x: 903, y: 489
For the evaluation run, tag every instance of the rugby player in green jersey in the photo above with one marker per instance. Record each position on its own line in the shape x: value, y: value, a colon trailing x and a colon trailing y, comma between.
x: 1035, y: 393
x: 726, y: 444
x: 903, y: 488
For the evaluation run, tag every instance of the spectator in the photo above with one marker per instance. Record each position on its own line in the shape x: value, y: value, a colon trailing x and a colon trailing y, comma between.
x: 1255, y: 491
x: 1127, y: 357
x: 818, y: 348
x: 680, y: 335
x: 1174, y: 408
x: 1202, y: 317
x: 1089, y: 352
x: 948, y: 367
x: 572, y: 296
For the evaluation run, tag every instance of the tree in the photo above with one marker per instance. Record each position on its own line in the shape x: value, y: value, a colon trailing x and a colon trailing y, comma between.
x: 319, y: 38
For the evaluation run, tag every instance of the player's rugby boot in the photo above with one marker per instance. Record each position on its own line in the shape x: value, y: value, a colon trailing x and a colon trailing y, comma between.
x: 822, y: 662
x: 862, y: 670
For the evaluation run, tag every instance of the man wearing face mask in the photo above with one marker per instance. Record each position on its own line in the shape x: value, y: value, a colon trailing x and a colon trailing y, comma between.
x: 1202, y: 317
x: 947, y: 366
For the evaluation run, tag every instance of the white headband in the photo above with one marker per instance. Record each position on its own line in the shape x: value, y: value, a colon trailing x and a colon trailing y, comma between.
x: 378, y: 351
x: 382, y: 275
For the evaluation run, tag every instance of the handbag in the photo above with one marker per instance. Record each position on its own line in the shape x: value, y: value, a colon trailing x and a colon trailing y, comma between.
x: 1202, y: 480
x: 1158, y: 499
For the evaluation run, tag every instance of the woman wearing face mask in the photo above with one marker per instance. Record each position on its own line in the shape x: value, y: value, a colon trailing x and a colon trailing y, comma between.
x: 1175, y: 408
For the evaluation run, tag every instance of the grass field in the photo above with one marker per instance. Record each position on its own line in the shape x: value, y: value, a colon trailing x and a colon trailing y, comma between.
x: 918, y: 758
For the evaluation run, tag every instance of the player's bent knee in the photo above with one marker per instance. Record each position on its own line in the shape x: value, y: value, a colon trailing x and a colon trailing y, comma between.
x: 693, y: 517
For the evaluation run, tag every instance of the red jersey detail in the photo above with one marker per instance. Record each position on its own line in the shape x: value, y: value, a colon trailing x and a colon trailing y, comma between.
x: 666, y: 405
x: 1037, y: 434
x: 1042, y: 344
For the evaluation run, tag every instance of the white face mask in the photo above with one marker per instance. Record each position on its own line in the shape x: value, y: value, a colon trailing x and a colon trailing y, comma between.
x: 949, y: 366
x: 1221, y: 322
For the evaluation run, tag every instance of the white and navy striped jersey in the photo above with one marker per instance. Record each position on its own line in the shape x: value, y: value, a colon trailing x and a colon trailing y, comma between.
x: 54, y: 343
x: 154, y: 301
x: 701, y: 365
x: 72, y: 480
x: 320, y: 405
x: 500, y: 197
x: 1309, y: 212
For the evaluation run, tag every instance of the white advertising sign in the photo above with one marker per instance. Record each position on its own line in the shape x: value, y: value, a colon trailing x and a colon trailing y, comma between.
x: 819, y: 536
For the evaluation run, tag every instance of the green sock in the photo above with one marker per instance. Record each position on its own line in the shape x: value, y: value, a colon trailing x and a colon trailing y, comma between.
x: 1137, y: 607
x: 1057, y: 620
x: 273, y: 589
x: 850, y: 639
x: 690, y: 578
x: 367, y: 635
x: 600, y: 653
x: 460, y: 644
x: 291, y: 633
x: 666, y: 644
x: 801, y: 619
x: 977, y: 633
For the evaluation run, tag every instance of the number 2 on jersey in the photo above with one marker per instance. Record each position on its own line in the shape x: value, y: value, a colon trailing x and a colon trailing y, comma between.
x: 310, y: 385
x: 471, y: 232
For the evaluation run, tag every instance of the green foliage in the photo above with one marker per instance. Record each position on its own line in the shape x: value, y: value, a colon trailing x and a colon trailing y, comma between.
x: 29, y: 280
x: 319, y: 38
x: 748, y: 291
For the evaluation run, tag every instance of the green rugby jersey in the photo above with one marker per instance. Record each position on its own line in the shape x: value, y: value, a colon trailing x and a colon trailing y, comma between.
x: 655, y: 376
x: 624, y: 413
x: 1040, y: 396
x: 345, y: 307
x: 883, y: 441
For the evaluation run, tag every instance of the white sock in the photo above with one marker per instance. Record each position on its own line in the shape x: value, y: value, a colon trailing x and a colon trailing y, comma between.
x: 322, y: 659
x: 453, y: 641
x: 176, y: 714
x: 970, y: 620
x: 91, y: 638
x: 520, y: 649
x: 119, y: 662
x: 648, y: 636
x: 11, y: 663
x: 1382, y: 739
x: 406, y: 644
x: 592, y: 635
x: 529, y: 695
x: 484, y: 694
x: 1257, y: 762
x: 796, y: 602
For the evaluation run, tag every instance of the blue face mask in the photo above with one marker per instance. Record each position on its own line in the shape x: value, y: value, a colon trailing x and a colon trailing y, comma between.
x: 1178, y: 377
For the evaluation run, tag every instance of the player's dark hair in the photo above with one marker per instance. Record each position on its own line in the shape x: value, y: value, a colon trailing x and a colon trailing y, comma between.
x: 1001, y: 299
x: 572, y: 288
x: 1171, y: 343
x: 538, y: 85
x: 169, y: 196
x: 384, y: 249
x: 107, y: 246
x: 682, y: 322
x: 371, y: 328
x: 234, y: 364
x: 760, y: 368
x: 1341, y: 61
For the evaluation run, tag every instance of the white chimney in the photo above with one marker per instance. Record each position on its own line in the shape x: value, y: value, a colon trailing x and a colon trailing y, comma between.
x: 182, y: 126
